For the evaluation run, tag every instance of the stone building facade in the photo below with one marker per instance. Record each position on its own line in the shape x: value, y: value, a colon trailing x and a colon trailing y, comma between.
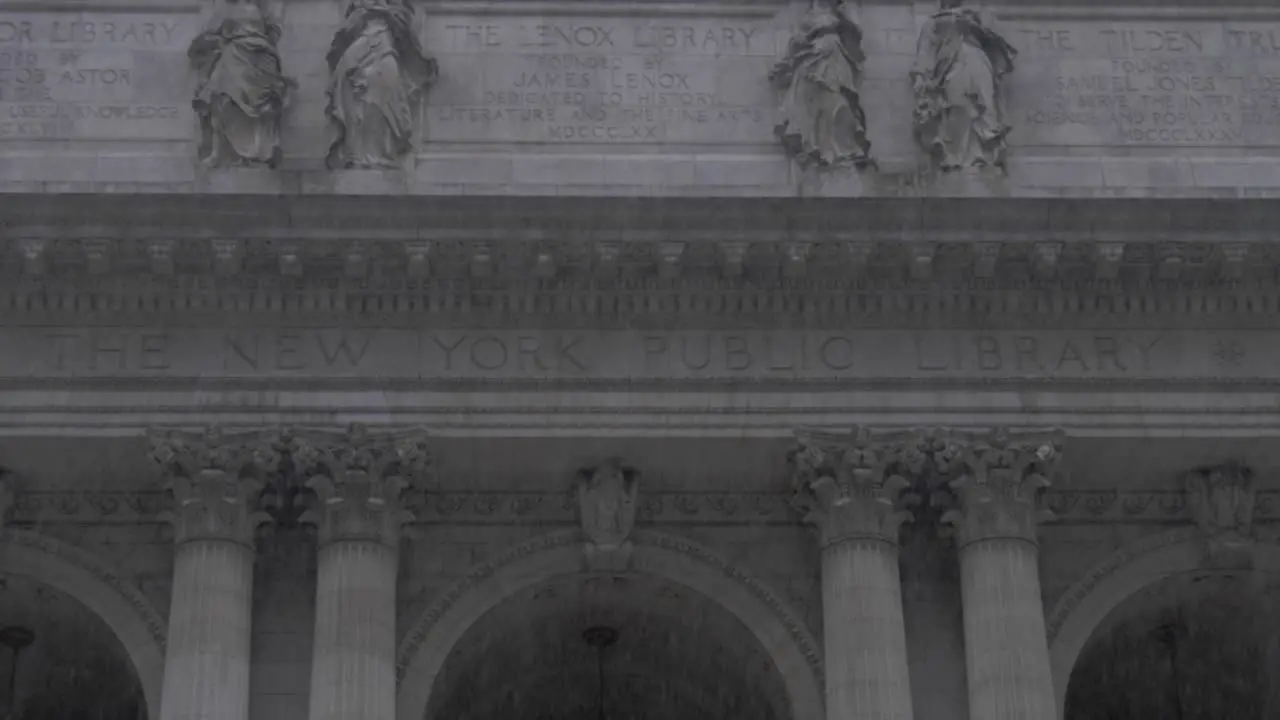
x: 524, y: 359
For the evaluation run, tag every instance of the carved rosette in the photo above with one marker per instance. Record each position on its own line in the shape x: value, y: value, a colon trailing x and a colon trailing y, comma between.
x: 852, y: 487
x: 608, y: 497
x: 216, y: 480
x: 1221, y: 501
x: 996, y: 483
x: 360, y: 479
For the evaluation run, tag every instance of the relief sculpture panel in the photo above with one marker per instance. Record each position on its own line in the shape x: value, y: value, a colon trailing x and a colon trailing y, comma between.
x: 95, y: 75
x: 1152, y: 83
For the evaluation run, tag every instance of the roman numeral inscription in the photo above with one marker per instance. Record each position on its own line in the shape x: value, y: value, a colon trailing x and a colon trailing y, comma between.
x: 622, y: 355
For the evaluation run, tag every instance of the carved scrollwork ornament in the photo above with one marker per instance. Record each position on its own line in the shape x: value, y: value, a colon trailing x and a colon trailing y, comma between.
x: 608, y: 498
x: 1221, y: 501
x: 996, y: 483
x: 359, y: 480
x: 854, y: 486
x: 216, y: 480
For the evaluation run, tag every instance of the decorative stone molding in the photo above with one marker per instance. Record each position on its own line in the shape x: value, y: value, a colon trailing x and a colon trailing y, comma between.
x: 852, y: 486
x: 360, y: 479
x: 216, y: 479
x: 995, y: 481
x: 100, y: 587
x: 608, y: 496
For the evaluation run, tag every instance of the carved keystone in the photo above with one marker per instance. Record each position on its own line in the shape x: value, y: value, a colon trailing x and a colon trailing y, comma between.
x: 481, y: 263
x: 608, y: 497
x: 360, y: 479
x: 921, y: 260
x: 1234, y: 257
x: 672, y: 254
x: 606, y: 264
x: 216, y: 479
x: 852, y: 486
x: 290, y: 259
x: 1170, y: 260
x: 860, y: 254
x: 97, y: 252
x: 1221, y: 501
x: 545, y: 264
x: 356, y: 262
x: 795, y: 264
x: 987, y: 255
x: 996, y: 482
x: 733, y: 257
x: 418, y: 257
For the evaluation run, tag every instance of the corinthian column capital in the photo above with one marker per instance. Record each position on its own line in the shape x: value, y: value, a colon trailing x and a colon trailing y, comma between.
x: 359, y: 479
x: 216, y: 479
x: 851, y: 486
x: 996, y: 482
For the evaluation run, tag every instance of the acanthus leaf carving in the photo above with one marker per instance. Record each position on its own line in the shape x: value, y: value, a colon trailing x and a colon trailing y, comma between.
x: 1221, y: 500
x: 853, y: 486
x: 996, y: 483
x: 359, y: 480
x: 216, y: 480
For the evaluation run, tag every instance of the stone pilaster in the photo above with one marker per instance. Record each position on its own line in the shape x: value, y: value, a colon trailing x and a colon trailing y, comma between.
x: 851, y: 488
x: 216, y: 479
x: 995, y: 484
x: 359, y: 479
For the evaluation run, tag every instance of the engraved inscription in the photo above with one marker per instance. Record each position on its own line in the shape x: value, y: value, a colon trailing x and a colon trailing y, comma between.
x: 584, y: 80
x: 624, y: 355
x: 1155, y: 83
x: 93, y: 75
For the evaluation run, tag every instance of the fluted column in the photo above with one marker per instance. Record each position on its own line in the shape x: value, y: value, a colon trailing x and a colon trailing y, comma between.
x: 216, y: 480
x: 852, y: 489
x: 359, y: 480
x: 995, y: 485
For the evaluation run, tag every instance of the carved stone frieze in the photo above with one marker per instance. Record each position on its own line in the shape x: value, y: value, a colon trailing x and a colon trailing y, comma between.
x: 852, y: 487
x: 241, y: 90
x: 995, y: 483
x: 360, y: 480
x: 608, y: 500
x: 216, y: 480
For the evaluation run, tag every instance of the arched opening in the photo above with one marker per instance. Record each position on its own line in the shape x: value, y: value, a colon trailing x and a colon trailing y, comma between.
x: 677, y: 654
x: 59, y: 660
x: 1202, y: 645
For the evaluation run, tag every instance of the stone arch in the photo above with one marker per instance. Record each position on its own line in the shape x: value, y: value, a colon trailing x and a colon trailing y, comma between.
x: 779, y: 630
x: 119, y: 603
x: 1142, y: 563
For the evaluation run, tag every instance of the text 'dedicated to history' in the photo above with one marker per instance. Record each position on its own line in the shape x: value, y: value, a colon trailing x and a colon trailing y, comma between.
x: 94, y: 75
x: 1157, y: 83
x: 584, y: 80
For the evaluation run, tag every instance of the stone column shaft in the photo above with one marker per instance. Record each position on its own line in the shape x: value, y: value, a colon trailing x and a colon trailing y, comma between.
x: 863, y: 632
x: 852, y: 494
x: 206, y: 671
x: 1006, y: 647
x: 353, y: 672
x: 359, y: 480
x: 216, y: 481
x: 996, y: 487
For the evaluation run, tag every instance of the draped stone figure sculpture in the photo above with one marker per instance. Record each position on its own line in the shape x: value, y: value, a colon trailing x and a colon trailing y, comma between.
x: 378, y: 73
x: 822, y: 122
x: 959, y: 67
x: 607, y: 504
x: 241, y: 90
